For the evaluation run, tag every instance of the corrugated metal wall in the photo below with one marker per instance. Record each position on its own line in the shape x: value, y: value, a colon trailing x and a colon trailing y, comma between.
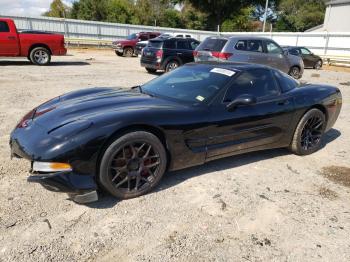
x: 322, y: 43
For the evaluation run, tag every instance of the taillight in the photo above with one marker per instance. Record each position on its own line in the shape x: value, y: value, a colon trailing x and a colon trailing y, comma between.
x: 159, y: 54
x: 195, y: 53
x: 221, y: 55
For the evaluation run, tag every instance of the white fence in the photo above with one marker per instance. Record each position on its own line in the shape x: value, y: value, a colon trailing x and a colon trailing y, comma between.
x: 322, y: 43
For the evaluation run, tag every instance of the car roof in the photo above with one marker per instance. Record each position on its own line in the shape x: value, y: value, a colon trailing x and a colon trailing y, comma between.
x: 243, y: 37
x: 232, y: 65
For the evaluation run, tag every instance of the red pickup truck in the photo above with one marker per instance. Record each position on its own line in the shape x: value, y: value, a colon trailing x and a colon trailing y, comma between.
x: 126, y: 47
x: 37, y: 46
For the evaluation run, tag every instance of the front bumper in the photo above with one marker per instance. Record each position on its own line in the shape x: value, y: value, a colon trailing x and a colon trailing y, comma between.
x: 28, y: 144
x: 81, y: 188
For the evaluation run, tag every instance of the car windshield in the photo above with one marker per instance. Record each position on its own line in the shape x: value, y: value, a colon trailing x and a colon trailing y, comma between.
x: 192, y: 83
x: 132, y: 36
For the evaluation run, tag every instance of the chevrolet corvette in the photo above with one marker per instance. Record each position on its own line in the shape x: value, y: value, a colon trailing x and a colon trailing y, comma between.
x: 123, y: 140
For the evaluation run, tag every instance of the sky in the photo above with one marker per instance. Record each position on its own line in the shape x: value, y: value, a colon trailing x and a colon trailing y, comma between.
x: 26, y: 7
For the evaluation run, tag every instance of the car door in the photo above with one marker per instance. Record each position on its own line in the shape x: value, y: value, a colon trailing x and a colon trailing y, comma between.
x: 9, y: 45
x: 249, y: 126
x: 276, y: 57
x: 255, y: 52
x: 307, y: 57
x: 183, y: 51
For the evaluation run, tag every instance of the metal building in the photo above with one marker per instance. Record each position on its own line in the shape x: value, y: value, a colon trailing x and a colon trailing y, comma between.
x: 336, y: 19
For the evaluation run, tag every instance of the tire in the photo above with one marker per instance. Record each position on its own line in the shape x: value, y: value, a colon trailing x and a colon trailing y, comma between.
x: 128, y: 52
x: 171, y: 65
x: 118, y: 54
x: 151, y: 70
x: 129, y: 158
x: 295, y: 72
x: 318, y: 65
x: 40, y: 56
x: 303, y: 143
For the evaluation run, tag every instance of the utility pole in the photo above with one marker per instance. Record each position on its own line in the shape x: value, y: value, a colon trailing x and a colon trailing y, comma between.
x: 265, y: 14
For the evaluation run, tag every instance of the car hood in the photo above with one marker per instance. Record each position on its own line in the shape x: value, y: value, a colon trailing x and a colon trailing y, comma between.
x: 91, y: 105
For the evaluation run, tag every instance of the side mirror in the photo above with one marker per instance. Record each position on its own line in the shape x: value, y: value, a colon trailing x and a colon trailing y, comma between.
x: 285, y: 52
x: 243, y: 100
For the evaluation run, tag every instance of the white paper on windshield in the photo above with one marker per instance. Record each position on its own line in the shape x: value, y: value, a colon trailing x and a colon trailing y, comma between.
x: 200, y: 98
x: 223, y: 71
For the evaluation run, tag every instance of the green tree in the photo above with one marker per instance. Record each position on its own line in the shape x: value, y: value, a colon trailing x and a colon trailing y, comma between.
x: 220, y: 10
x: 192, y: 18
x: 57, y: 9
x: 120, y: 11
x: 241, y: 21
x: 95, y: 10
x: 299, y: 15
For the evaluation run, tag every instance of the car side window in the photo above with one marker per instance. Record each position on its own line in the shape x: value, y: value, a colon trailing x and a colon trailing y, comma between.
x: 241, y: 45
x: 272, y: 48
x: 305, y: 51
x: 294, y: 51
x: 254, y: 46
x: 4, y: 27
x: 169, y: 44
x: 182, y: 44
x: 285, y: 81
x: 143, y: 37
x: 193, y: 44
x: 257, y: 82
x: 151, y: 36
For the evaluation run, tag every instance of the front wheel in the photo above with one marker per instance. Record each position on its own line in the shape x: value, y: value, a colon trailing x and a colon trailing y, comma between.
x: 295, y: 72
x: 40, y: 56
x: 309, y: 132
x: 133, y: 165
x: 128, y: 52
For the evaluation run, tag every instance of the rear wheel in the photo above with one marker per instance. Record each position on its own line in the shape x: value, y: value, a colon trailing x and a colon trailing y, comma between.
x: 295, y: 72
x: 309, y: 132
x: 133, y: 165
x: 40, y: 56
x: 171, y: 65
x: 151, y: 70
x: 318, y: 65
x: 128, y: 52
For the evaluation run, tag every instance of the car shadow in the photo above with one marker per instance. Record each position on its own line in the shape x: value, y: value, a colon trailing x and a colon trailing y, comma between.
x: 174, y: 178
x: 27, y: 63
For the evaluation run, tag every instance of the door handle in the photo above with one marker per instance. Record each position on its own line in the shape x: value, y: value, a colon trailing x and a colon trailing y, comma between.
x: 283, y: 102
x: 11, y: 38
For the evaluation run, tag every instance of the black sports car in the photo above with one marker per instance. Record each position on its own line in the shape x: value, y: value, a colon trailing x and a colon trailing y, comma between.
x: 123, y: 141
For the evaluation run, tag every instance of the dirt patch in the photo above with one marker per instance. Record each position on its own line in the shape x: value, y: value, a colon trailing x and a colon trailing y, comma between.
x: 336, y: 68
x: 345, y: 83
x: 327, y: 193
x: 337, y: 174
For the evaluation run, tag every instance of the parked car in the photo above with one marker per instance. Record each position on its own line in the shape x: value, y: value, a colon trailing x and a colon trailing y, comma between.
x: 141, y: 45
x: 168, y: 54
x: 37, y: 46
x: 257, y: 50
x: 309, y: 58
x: 123, y: 141
x: 126, y: 47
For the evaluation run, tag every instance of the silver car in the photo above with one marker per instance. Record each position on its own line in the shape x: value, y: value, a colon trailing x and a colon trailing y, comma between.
x: 257, y: 50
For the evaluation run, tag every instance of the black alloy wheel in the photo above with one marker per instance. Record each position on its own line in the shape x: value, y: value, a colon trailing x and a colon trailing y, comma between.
x: 309, y: 132
x: 133, y: 165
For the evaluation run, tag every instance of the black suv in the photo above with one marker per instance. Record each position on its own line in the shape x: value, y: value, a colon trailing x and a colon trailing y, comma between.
x: 168, y: 54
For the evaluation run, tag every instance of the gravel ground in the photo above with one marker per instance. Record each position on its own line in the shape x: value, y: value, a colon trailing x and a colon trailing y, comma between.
x: 264, y: 206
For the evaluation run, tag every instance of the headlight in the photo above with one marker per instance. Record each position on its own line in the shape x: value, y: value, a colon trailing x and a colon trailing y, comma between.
x: 50, y: 167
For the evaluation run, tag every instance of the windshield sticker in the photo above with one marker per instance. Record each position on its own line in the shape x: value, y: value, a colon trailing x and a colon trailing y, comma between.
x: 200, y: 98
x: 223, y: 71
